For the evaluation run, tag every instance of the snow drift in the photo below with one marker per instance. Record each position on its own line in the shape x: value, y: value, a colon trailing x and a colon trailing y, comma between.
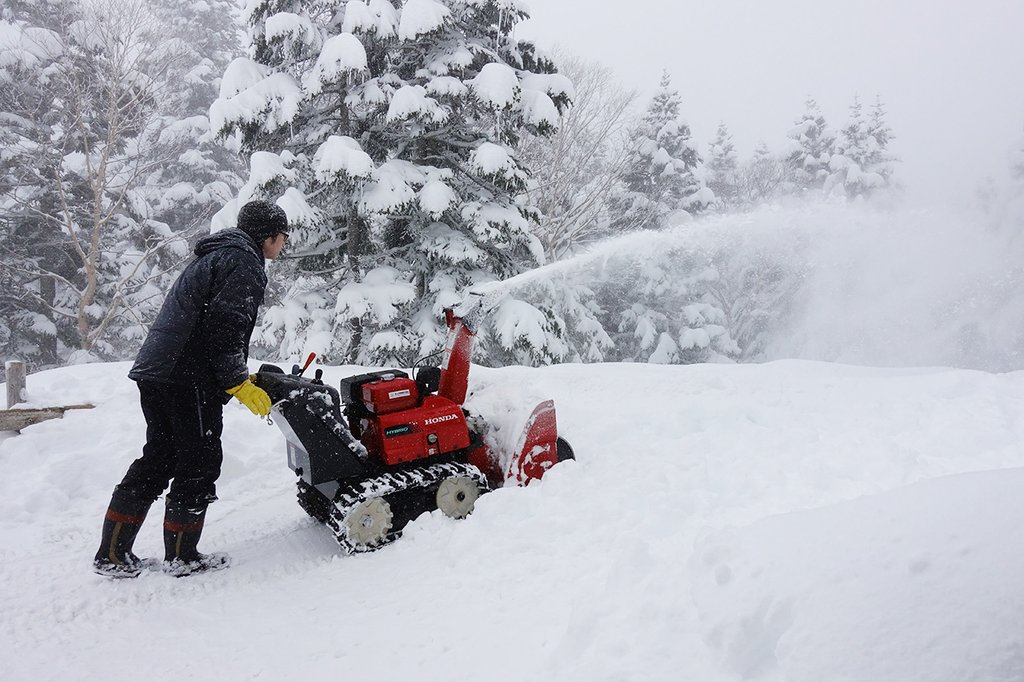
x: 787, y: 521
x: 906, y: 585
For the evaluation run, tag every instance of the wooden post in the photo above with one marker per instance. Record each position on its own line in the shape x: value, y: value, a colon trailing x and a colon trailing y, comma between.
x: 15, y: 382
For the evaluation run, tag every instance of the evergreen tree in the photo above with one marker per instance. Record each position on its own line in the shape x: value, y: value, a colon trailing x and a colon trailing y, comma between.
x: 879, y: 159
x: 722, y: 169
x: 93, y: 113
x: 862, y: 163
x: 665, y: 173
x: 812, y: 145
x: 30, y: 45
x: 663, y: 310
x: 386, y: 132
x: 201, y: 173
x: 850, y: 154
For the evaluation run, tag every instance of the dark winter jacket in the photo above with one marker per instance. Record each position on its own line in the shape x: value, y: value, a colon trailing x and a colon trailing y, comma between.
x: 201, y: 336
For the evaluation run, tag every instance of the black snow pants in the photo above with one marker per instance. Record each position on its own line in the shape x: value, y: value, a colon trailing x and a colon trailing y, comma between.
x: 183, y: 429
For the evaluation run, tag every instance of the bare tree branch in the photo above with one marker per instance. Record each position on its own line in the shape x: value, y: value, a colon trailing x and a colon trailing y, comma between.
x: 575, y: 169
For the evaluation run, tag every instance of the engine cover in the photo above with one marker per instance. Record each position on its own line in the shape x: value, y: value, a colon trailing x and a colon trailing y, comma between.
x: 436, y: 427
x: 390, y: 395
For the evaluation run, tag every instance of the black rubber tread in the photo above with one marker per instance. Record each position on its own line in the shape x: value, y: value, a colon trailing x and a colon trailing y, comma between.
x: 410, y: 493
x: 313, y: 502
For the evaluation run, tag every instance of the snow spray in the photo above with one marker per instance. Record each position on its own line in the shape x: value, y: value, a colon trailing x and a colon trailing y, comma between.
x: 635, y: 244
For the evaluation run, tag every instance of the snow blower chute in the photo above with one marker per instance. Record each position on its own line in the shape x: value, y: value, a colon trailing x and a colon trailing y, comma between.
x: 388, y: 447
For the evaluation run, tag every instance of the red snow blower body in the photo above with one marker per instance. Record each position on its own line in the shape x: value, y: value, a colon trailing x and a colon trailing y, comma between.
x: 387, y: 447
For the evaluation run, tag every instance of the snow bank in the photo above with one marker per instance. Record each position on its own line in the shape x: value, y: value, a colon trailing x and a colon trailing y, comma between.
x: 921, y: 583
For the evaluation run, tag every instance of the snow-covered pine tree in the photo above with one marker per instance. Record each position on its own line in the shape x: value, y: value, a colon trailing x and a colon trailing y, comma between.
x: 30, y: 43
x: 880, y: 160
x: 754, y: 290
x: 85, y: 124
x: 663, y: 310
x: 722, y: 169
x: 201, y: 173
x: 665, y: 173
x: 861, y: 164
x: 386, y: 130
x: 811, y: 145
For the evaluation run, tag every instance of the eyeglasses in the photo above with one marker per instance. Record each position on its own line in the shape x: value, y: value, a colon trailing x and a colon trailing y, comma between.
x: 285, y: 236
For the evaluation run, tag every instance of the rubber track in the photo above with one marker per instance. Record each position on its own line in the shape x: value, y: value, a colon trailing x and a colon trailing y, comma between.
x: 313, y: 502
x: 350, y: 496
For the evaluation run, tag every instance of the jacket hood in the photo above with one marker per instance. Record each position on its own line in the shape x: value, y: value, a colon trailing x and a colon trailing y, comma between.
x: 231, y: 238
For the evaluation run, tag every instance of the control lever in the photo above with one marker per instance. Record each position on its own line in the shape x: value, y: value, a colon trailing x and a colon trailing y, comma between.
x: 297, y: 371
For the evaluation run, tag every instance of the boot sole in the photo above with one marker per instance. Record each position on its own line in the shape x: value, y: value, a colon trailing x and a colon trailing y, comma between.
x: 121, y: 572
x: 180, y: 569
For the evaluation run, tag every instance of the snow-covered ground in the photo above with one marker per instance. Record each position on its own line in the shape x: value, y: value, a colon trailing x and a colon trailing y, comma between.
x: 796, y: 521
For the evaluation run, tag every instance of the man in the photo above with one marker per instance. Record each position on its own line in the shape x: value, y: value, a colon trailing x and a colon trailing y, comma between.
x: 192, y: 362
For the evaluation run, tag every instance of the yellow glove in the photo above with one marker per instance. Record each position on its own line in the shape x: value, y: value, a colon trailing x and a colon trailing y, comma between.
x: 252, y: 396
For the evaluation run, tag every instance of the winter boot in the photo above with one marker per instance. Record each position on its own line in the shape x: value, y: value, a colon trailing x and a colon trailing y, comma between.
x: 182, y: 529
x: 121, y: 524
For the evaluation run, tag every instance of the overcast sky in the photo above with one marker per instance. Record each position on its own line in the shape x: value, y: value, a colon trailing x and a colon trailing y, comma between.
x: 950, y: 72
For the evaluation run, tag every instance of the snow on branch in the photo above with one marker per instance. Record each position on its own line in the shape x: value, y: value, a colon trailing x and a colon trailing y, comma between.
x: 436, y: 197
x: 359, y: 18
x: 496, y: 85
x: 392, y: 187
x: 286, y: 25
x: 420, y: 17
x: 241, y: 74
x: 539, y: 110
x: 492, y: 159
x: 451, y: 246
x: 268, y: 167
x: 379, y: 296
x: 274, y: 100
x: 518, y: 323
x: 412, y: 100
x: 446, y: 86
x: 341, y: 55
x: 341, y: 155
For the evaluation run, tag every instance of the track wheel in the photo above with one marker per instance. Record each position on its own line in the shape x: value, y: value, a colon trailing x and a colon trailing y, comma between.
x: 369, y: 522
x: 457, y: 495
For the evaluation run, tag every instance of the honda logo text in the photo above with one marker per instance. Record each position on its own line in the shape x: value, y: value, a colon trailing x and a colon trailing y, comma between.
x: 443, y: 418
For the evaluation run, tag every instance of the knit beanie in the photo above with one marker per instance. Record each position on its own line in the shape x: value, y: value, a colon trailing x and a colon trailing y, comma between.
x: 262, y: 219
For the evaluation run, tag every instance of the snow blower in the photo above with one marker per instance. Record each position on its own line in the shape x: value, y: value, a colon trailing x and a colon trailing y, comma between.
x: 387, y: 447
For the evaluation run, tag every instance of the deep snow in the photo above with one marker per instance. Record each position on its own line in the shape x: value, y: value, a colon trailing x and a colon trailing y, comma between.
x: 795, y: 520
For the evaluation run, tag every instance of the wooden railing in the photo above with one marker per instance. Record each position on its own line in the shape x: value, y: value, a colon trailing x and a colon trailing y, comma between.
x: 14, y: 419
